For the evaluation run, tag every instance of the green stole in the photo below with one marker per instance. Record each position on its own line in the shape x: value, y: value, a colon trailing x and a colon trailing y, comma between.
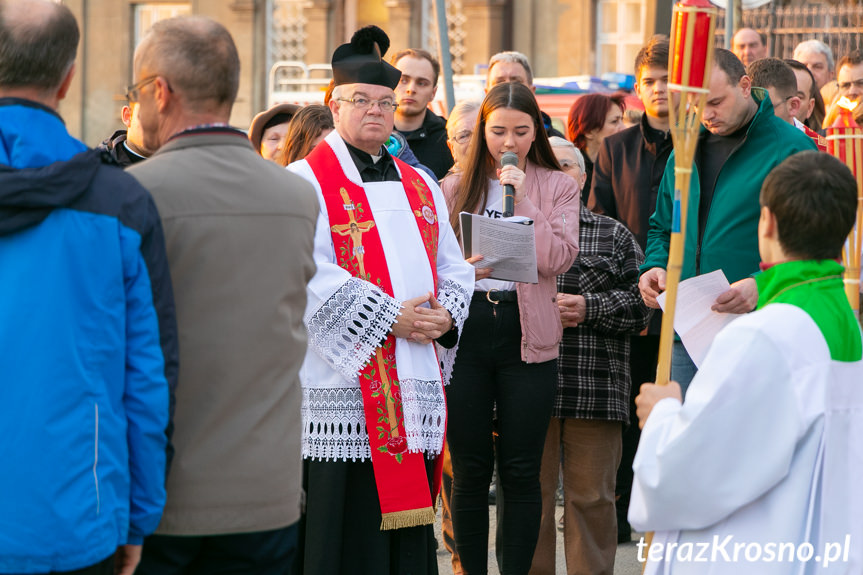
x: 816, y: 287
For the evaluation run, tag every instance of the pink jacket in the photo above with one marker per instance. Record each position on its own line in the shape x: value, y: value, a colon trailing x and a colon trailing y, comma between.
x: 552, y: 202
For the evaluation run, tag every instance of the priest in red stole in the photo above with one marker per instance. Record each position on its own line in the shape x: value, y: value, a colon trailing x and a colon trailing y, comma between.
x: 384, y: 313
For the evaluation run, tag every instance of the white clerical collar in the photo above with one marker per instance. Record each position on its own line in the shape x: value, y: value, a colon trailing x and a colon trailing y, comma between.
x: 133, y: 152
x: 799, y: 125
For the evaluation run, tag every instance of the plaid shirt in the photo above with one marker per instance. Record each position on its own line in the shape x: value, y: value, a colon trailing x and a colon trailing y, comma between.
x: 593, y: 368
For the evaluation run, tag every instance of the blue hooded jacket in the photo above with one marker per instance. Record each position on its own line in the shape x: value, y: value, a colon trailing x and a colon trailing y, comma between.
x: 88, y: 350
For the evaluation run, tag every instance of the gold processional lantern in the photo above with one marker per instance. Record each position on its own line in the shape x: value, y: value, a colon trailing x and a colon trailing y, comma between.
x: 845, y: 142
x: 690, y: 62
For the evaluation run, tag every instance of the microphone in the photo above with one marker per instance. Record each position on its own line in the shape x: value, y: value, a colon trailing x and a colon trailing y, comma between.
x: 508, y: 159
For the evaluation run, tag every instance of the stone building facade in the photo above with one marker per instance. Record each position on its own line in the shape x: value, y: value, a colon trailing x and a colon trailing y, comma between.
x: 110, y: 30
x: 561, y: 38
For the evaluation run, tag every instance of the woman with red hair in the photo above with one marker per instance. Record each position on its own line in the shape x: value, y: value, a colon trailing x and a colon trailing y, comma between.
x: 591, y: 118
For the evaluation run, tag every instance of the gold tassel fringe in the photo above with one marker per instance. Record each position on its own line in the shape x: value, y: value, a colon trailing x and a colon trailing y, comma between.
x: 409, y: 518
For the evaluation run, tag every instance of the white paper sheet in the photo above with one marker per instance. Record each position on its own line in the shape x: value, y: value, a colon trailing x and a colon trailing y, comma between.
x: 694, y: 321
x: 508, y: 246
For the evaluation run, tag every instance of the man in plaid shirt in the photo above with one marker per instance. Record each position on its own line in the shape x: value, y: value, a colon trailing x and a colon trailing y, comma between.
x: 600, y: 307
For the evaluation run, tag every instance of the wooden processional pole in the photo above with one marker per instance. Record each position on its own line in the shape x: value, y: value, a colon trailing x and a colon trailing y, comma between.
x: 691, y: 59
x: 845, y: 142
x: 690, y: 62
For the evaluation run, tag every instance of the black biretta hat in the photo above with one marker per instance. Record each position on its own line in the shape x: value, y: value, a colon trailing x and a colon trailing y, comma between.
x: 361, y: 60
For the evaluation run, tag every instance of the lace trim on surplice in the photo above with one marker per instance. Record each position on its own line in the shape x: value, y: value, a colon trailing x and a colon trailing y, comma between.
x: 347, y: 327
x: 334, y: 425
x: 456, y: 299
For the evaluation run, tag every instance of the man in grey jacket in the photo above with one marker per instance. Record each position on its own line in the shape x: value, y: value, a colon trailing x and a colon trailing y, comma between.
x: 239, y: 233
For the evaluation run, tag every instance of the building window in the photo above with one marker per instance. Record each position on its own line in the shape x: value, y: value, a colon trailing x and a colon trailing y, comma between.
x: 148, y: 13
x: 620, y: 34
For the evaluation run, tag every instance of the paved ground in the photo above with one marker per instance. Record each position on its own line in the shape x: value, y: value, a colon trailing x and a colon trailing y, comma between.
x: 626, y: 562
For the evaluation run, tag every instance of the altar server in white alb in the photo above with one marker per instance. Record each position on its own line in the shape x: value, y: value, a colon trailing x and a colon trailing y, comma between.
x: 391, y: 282
x: 758, y: 471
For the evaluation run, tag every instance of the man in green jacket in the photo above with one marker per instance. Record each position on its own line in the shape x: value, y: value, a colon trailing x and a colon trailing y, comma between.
x: 741, y: 141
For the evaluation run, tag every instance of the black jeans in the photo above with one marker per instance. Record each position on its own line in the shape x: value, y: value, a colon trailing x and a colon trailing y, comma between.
x: 262, y: 552
x: 105, y: 567
x: 489, y: 373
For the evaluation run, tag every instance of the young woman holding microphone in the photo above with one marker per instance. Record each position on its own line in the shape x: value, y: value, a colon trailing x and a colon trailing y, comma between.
x: 506, y: 368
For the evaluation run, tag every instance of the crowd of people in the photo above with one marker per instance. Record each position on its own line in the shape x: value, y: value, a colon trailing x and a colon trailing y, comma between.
x: 264, y: 352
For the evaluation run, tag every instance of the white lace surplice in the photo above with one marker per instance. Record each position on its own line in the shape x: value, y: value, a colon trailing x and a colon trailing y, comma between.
x: 348, y: 318
x: 764, y: 453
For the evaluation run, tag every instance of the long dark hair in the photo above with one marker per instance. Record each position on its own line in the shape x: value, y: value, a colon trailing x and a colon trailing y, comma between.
x: 304, y: 129
x: 472, y: 191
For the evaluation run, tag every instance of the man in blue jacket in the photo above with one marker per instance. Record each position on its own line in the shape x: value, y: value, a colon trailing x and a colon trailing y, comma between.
x: 87, y: 327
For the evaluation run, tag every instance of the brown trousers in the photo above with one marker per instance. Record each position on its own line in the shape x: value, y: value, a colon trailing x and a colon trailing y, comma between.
x: 446, y: 516
x: 591, y: 453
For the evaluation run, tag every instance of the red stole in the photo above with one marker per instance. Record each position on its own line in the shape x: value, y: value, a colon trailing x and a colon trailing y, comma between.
x: 400, y: 476
x: 820, y: 141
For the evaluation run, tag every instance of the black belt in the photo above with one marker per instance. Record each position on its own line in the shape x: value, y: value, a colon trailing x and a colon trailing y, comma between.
x: 495, y: 296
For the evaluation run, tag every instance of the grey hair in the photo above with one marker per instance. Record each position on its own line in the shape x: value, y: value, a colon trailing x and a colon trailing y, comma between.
x: 818, y: 47
x: 197, y: 55
x: 558, y: 142
x: 459, y: 111
x: 515, y: 58
x: 337, y: 93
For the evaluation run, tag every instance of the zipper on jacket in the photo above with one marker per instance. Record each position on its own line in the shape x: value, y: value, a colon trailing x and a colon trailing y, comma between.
x: 698, y: 258
x: 96, y: 459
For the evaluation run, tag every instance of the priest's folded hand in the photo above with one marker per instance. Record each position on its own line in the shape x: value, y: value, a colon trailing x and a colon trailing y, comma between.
x: 650, y: 394
x: 434, y: 322
x: 420, y: 324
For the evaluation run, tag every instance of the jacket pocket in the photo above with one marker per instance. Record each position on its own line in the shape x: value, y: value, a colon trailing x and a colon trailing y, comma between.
x: 541, y: 318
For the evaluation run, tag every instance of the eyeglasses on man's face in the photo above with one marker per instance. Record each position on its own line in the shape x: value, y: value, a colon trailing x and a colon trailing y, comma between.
x: 133, y: 92
x: 360, y: 103
x: 784, y: 101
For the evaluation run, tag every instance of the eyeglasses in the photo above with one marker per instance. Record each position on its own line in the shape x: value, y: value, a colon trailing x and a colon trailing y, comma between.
x: 462, y: 137
x: 365, y: 104
x: 845, y: 86
x: 134, y: 91
x: 785, y: 101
